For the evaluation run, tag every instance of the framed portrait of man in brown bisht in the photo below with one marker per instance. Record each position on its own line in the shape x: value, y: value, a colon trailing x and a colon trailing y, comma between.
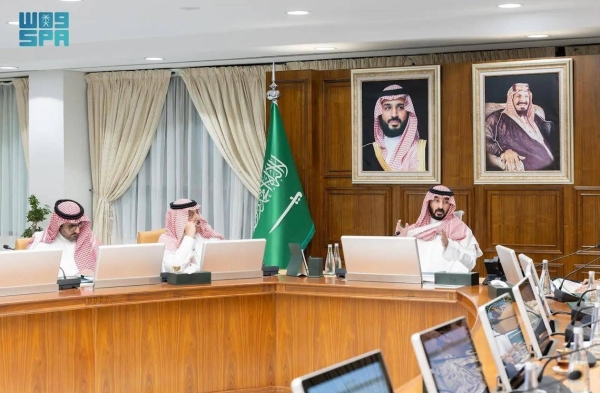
x: 523, y: 122
x: 396, y: 125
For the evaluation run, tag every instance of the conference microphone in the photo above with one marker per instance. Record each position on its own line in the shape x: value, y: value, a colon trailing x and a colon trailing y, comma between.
x: 575, y: 311
x: 574, y: 324
x: 7, y: 247
x: 549, y: 359
x: 573, y: 253
x: 68, y: 283
x: 572, y: 376
x: 564, y: 297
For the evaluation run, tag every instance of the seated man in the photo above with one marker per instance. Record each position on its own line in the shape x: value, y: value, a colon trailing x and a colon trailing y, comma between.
x: 445, y: 242
x: 70, y: 230
x: 186, y: 233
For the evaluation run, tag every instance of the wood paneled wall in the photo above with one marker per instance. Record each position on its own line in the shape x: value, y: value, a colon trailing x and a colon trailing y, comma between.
x: 542, y: 221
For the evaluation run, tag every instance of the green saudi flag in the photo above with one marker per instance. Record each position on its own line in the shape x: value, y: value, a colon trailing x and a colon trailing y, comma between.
x: 282, y: 214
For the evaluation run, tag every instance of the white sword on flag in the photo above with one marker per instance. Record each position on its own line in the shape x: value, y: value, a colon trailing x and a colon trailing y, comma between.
x: 295, y: 200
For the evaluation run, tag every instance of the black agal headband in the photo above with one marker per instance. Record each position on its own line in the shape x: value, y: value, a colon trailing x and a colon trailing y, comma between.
x: 191, y: 203
x: 440, y: 192
x: 65, y: 215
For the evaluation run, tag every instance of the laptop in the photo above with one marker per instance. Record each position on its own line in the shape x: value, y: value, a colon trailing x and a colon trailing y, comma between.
x: 510, y: 264
x: 448, y: 359
x: 382, y: 259
x: 234, y: 259
x: 529, y: 270
x: 506, y: 340
x: 362, y: 374
x: 128, y: 265
x: 23, y: 273
x: 534, y: 318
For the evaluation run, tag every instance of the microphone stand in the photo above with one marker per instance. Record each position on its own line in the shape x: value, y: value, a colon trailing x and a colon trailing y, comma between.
x: 564, y: 297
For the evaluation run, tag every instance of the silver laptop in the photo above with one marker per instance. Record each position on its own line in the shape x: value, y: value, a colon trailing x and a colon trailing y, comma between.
x: 26, y: 272
x: 534, y: 318
x: 128, y: 265
x: 234, y: 259
x: 362, y: 374
x: 448, y: 359
x: 507, y: 342
x: 510, y: 264
x: 382, y: 258
x: 529, y: 270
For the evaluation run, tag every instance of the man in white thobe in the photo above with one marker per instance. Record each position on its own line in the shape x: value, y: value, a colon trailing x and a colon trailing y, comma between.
x: 70, y: 230
x: 445, y: 243
x: 187, y: 231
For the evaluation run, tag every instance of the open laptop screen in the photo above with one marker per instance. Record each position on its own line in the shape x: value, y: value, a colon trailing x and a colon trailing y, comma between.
x: 452, y: 358
x: 532, y: 310
x: 507, y: 337
x: 364, y: 374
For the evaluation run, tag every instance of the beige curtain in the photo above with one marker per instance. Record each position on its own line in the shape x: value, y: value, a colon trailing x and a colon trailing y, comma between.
x: 22, y: 90
x: 417, y: 60
x: 231, y: 103
x: 123, y: 113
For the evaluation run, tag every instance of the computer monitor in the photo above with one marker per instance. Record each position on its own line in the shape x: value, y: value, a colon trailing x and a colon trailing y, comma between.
x: 510, y: 264
x: 362, y: 374
x: 534, y: 318
x: 234, y: 259
x: 31, y: 271
x: 129, y: 264
x: 382, y: 258
x: 506, y: 340
x: 529, y: 270
x: 448, y: 359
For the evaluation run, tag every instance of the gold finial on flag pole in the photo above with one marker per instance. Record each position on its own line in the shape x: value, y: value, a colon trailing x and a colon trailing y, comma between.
x: 273, y: 94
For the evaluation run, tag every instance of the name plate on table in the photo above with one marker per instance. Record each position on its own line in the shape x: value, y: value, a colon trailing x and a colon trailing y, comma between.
x: 495, y: 291
x: 466, y: 279
x: 189, y: 279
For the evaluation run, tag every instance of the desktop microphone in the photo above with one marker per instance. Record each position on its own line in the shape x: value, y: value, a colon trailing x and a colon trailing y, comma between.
x: 577, y: 308
x: 568, y: 255
x: 564, y: 297
x: 574, y: 323
x: 7, y: 247
x: 572, y: 376
x: 549, y: 359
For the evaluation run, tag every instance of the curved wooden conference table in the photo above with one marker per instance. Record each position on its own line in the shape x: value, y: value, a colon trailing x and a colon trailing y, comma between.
x: 251, y: 335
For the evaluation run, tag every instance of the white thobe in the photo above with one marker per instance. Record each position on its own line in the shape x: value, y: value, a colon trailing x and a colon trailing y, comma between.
x: 67, y: 261
x: 458, y: 257
x: 188, y: 256
x: 390, y: 146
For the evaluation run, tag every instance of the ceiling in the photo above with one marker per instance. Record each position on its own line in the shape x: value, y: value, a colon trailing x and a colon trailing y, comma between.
x: 119, y: 34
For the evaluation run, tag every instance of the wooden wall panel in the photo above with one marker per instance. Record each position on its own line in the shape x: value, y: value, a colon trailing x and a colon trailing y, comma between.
x: 337, y: 144
x: 556, y: 223
x: 360, y: 211
x: 588, y: 216
x: 526, y: 220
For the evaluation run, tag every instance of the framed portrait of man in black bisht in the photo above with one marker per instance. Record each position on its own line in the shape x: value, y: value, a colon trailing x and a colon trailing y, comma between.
x: 396, y: 125
x: 522, y: 122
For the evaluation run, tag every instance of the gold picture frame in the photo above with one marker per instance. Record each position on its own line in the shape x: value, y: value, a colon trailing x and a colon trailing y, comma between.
x: 396, y: 125
x: 523, y: 122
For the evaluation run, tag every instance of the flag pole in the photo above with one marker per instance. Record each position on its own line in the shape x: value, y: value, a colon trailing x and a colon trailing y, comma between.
x: 273, y: 94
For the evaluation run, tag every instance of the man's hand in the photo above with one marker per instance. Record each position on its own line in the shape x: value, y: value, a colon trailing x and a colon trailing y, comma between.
x: 190, y: 229
x: 444, y: 239
x: 401, y: 230
x: 512, y: 161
